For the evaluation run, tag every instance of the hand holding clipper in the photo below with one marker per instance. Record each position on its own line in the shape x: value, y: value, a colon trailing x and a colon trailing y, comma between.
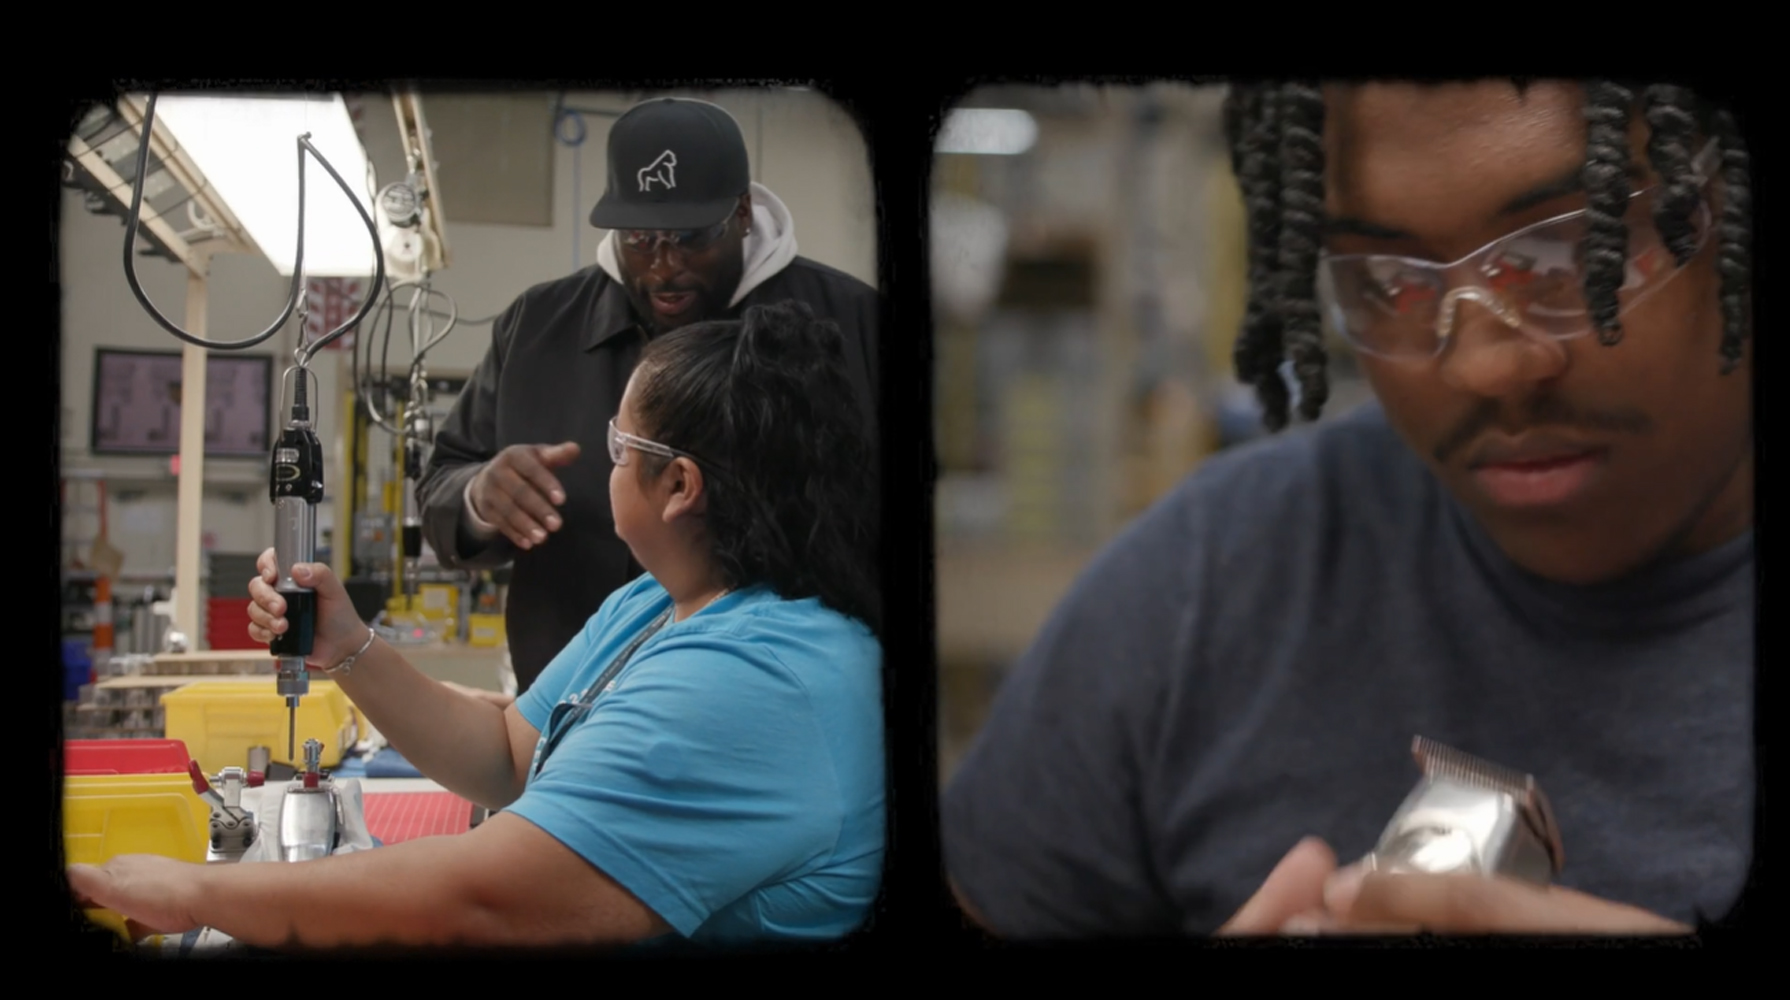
x: 1469, y: 816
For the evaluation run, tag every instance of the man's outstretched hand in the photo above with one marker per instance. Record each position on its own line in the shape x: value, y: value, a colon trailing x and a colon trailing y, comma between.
x: 517, y: 491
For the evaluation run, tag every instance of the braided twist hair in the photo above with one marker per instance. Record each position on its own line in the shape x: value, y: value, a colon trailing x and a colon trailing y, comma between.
x: 1275, y: 131
x: 1254, y: 124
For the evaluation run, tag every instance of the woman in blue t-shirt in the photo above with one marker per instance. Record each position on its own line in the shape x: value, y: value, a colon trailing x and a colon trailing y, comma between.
x: 704, y: 760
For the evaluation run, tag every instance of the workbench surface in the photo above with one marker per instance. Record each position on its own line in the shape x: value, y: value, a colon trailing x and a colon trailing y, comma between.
x: 397, y: 809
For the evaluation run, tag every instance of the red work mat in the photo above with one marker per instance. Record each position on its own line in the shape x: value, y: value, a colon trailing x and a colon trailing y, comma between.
x: 394, y: 817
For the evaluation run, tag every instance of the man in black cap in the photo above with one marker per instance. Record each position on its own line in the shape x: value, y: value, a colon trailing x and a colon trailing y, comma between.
x: 518, y: 473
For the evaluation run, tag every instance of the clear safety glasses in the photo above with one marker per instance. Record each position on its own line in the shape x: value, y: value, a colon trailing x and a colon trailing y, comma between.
x: 648, y: 241
x: 620, y: 441
x: 1533, y: 280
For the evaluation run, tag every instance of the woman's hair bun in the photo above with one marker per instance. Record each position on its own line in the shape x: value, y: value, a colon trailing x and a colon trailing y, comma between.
x: 786, y: 332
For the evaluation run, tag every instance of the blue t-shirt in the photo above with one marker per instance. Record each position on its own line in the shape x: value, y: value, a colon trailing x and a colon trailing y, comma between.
x: 731, y: 776
x: 1248, y: 663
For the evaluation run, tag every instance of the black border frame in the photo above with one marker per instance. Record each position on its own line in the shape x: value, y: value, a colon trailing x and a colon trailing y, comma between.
x: 898, y: 105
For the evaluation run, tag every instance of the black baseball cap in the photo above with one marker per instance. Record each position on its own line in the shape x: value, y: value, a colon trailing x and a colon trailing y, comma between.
x: 673, y: 164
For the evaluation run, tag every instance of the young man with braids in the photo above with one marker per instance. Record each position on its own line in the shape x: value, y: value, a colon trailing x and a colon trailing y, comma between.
x: 1535, y: 547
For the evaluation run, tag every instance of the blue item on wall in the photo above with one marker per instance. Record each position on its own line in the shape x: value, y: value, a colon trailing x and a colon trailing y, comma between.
x: 77, y: 668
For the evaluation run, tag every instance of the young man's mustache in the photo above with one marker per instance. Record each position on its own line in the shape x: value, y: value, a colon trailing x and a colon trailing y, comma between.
x: 1540, y: 412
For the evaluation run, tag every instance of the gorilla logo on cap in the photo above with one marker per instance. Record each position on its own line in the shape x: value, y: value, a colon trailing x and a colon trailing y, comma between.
x: 661, y: 170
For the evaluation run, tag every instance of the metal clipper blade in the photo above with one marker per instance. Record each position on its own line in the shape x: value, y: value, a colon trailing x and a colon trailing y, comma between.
x: 1470, y: 815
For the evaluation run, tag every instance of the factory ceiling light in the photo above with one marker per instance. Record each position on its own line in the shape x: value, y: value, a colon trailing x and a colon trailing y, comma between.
x: 987, y: 132
x: 247, y: 148
x: 102, y: 163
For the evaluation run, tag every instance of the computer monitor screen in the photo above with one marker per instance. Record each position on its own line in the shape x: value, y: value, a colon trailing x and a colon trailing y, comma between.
x: 137, y: 397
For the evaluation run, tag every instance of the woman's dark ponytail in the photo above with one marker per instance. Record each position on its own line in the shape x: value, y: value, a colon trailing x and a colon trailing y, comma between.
x: 768, y: 398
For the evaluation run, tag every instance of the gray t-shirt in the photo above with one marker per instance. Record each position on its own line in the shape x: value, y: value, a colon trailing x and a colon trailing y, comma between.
x: 1248, y: 663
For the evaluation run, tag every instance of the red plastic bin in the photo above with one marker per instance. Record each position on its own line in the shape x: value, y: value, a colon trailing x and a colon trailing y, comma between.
x: 124, y: 757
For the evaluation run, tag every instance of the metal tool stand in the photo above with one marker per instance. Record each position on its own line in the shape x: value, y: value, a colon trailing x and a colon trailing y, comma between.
x: 233, y: 829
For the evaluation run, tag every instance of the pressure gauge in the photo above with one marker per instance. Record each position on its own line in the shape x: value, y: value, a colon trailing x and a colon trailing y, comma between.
x: 400, y: 204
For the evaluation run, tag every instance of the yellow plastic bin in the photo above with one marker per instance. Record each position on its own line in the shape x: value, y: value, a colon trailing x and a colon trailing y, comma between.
x: 105, y: 815
x: 220, y: 720
x: 438, y: 601
x: 485, y: 631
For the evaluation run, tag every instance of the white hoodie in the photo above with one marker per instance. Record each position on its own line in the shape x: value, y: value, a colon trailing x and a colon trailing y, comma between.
x: 770, y: 246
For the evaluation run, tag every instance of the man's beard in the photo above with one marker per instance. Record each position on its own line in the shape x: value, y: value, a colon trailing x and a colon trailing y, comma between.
x: 709, y: 305
x: 711, y: 302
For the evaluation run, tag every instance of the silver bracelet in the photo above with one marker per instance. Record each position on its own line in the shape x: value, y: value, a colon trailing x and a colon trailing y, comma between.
x: 347, y: 666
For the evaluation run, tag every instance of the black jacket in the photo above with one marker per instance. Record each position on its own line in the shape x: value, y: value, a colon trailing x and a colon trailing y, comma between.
x: 559, y: 361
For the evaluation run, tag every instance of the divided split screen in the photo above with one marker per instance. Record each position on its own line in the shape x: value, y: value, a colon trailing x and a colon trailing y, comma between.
x: 1343, y: 520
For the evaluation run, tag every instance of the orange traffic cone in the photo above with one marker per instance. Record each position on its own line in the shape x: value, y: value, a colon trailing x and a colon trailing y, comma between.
x: 102, y: 626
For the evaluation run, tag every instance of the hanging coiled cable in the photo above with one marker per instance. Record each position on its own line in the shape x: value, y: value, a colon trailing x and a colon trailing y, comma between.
x: 366, y: 383
x: 305, y: 353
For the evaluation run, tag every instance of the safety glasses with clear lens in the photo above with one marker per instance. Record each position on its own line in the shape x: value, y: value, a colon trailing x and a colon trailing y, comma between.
x: 647, y: 241
x: 620, y: 441
x: 1533, y: 280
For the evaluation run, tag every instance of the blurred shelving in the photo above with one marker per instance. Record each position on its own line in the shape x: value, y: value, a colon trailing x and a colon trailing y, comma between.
x: 1090, y: 289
